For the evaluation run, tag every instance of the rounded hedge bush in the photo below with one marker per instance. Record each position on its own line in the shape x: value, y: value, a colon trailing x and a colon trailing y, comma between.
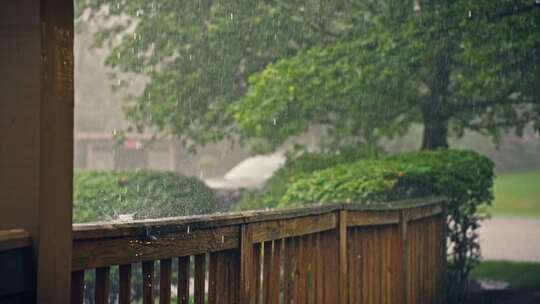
x: 462, y: 175
x: 465, y: 178
x: 104, y: 195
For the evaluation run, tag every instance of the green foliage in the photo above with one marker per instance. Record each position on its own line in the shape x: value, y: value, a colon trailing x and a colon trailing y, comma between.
x: 517, y: 194
x: 298, y: 164
x: 103, y: 195
x: 451, y: 66
x: 520, y: 275
x: 464, y: 177
x: 451, y: 173
x: 361, y: 69
x: 197, y: 55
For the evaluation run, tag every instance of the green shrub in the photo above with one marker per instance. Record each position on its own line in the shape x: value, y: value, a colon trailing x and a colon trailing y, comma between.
x: 297, y: 165
x: 103, y: 195
x: 464, y: 177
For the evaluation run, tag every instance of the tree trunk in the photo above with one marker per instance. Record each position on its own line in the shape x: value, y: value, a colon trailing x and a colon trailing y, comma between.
x: 435, y: 133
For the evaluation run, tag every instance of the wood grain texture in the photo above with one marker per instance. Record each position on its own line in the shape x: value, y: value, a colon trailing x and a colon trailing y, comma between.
x: 343, y: 265
x: 257, y: 273
x: 139, y: 228
x: 77, y: 287
x: 183, y: 280
x: 148, y: 282
x: 369, y: 218
x: 124, y: 294
x: 14, y: 238
x: 93, y: 253
x: 165, y: 269
x: 267, y: 261
x: 246, y: 265
x: 288, y: 280
x: 274, y: 230
x: 200, y: 272
x: 342, y: 257
x: 101, y: 290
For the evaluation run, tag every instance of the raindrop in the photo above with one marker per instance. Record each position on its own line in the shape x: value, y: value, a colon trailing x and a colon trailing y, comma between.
x: 470, y: 14
x: 188, y: 230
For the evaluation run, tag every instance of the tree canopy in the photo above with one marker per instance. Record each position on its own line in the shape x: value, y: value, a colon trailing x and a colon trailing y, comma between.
x: 360, y: 70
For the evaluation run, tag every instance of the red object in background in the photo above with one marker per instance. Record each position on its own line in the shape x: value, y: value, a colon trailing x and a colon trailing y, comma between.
x: 132, y: 144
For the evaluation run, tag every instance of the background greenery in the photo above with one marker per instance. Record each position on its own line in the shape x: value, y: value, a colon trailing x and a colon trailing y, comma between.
x: 520, y: 275
x: 103, y: 195
x: 517, y: 195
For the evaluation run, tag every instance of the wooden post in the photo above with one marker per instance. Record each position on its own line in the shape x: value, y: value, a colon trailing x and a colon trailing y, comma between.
x: 343, y: 267
x: 56, y: 154
x: 246, y: 264
x: 403, y: 218
x: 444, y: 229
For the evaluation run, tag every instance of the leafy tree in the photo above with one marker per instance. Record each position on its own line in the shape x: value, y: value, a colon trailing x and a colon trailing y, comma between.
x: 361, y: 70
x: 197, y: 55
x: 449, y: 65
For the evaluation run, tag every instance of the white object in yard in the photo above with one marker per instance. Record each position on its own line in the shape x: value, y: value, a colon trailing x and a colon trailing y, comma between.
x: 252, y: 172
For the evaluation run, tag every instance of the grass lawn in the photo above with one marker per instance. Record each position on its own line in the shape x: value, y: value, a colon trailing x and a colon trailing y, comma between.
x: 517, y: 194
x: 520, y: 275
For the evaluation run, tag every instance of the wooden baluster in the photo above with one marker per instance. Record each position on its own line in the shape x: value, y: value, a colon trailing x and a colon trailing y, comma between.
x: 124, y: 294
x: 267, y: 260
x: 77, y: 287
x: 319, y: 274
x: 183, y: 280
x: 275, y: 273
x: 301, y: 271
x: 148, y: 282
x: 233, y: 262
x: 200, y: 261
x: 213, y: 277
x: 165, y: 281
x: 288, y: 283
x: 257, y: 272
x: 246, y: 265
x: 102, y: 285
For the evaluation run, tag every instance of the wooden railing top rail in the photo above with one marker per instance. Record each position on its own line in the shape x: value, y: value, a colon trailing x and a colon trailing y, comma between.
x: 179, y: 224
x: 14, y: 238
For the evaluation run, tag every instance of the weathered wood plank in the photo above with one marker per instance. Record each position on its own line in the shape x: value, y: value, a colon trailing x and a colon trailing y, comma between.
x: 148, y: 282
x: 371, y: 218
x: 329, y: 246
x: 273, y: 230
x: 267, y: 260
x: 301, y: 276
x: 353, y: 271
x: 14, y: 238
x: 319, y: 271
x: 246, y: 265
x: 96, y: 253
x: 403, y: 222
x: 257, y: 252
x: 183, y: 280
x: 165, y: 281
x: 124, y: 294
x: 343, y: 267
x: 288, y: 280
x: 424, y: 212
x: 200, y: 263
x: 212, y: 277
x: 233, y: 275
x: 102, y: 285
x: 274, y: 284
x: 77, y: 287
x: 139, y: 228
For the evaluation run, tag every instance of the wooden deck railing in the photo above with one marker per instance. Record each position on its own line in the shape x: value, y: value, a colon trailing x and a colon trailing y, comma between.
x: 392, y: 253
